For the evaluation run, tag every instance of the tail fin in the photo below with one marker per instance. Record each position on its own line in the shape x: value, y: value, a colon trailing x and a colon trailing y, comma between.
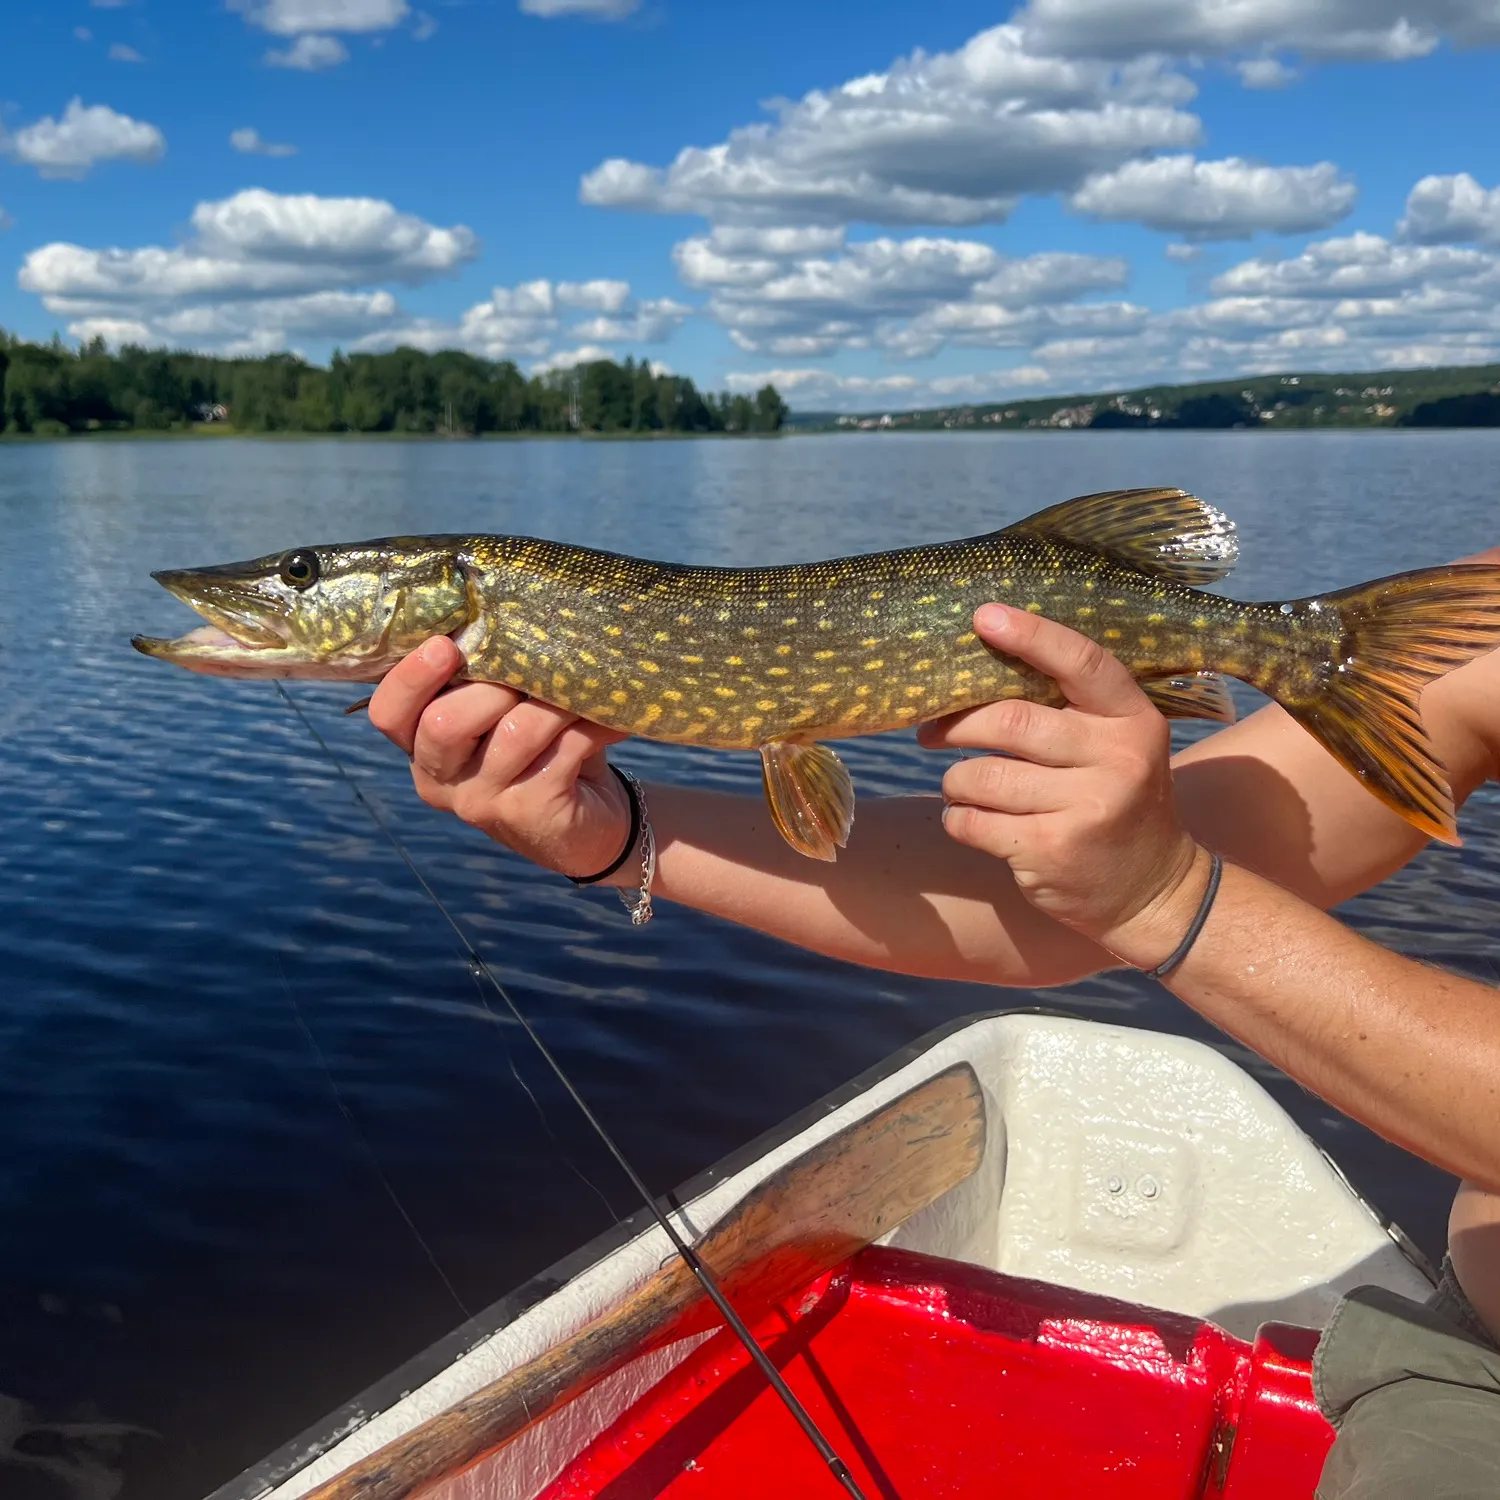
x: 1398, y: 635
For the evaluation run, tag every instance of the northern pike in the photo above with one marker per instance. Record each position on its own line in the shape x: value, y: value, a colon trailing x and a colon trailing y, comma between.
x: 779, y: 659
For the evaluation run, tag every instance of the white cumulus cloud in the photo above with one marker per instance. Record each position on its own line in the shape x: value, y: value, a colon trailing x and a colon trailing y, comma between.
x: 119, y: 52
x: 1372, y: 30
x: 908, y: 297
x: 1452, y: 210
x: 249, y: 142
x: 1229, y: 199
x: 258, y: 265
x: 949, y: 138
x: 295, y: 17
x: 1265, y: 73
x: 309, y: 54
x: 603, y: 10
x: 85, y: 136
x: 527, y: 320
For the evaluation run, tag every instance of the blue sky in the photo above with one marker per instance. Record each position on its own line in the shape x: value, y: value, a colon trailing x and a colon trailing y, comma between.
x: 874, y: 204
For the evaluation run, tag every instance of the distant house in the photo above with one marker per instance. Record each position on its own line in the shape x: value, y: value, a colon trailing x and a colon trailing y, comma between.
x: 211, y: 411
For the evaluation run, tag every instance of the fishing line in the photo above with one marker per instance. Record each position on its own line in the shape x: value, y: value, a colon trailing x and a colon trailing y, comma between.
x: 706, y: 1279
x: 364, y: 1141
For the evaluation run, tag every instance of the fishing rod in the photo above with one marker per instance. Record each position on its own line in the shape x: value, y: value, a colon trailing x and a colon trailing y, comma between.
x: 480, y: 969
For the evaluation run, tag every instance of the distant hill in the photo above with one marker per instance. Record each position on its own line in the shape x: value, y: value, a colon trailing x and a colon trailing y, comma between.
x: 1455, y: 396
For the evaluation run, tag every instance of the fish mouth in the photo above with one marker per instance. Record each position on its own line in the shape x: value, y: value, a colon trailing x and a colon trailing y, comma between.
x: 247, y: 634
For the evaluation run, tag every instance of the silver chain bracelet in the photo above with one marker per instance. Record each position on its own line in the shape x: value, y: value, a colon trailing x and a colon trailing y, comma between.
x: 638, y: 902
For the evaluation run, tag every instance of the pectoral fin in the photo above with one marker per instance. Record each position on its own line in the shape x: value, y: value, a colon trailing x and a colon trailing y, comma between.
x: 811, y: 796
x: 1191, y: 695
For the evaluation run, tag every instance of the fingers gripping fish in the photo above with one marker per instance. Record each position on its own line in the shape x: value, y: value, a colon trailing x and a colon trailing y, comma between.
x: 781, y: 659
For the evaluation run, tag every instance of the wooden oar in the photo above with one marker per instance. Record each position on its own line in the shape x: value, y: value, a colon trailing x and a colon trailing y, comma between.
x: 805, y: 1219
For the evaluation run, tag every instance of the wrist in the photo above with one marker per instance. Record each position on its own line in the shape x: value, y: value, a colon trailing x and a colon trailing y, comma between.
x: 1154, y: 932
x: 615, y: 869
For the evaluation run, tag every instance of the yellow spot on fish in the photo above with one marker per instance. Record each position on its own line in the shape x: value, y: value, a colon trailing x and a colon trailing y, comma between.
x: 778, y: 671
x: 917, y: 635
x: 619, y: 696
x: 734, y: 661
x: 759, y: 604
x: 684, y: 619
x: 752, y: 724
x: 1084, y: 611
x: 925, y: 665
x: 1115, y: 603
x: 726, y: 692
x: 871, y: 614
x: 766, y: 705
x: 723, y: 615
x: 1156, y: 619
x: 652, y: 714
x: 916, y: 690
x: 966, y: 639
x: 874, y: 666
x: 627, y: 609
x: 522, y: 660
x: 823, y: 655
x: 591, y: 683
x: 750, y: 633
x: 1147, y: 643
x: 661, y: 635
x: 705, y: 712
x: 870, y: 640
x: 567, y: 614
x: 864, y: 690
x: 783, y: 651
x: 825, y: 624
x: 671, y: 695
x: 648, y: 666
x: 821, y: 687
x: 692, y: 661
x: 928, y: 599
x: 613, y: 630
x: 790, y: 620
x: 1111, y: 635
x: 963, y: 676
x: 856, y: 711
x: 877, y: 593
x: 1200, y: 622
x: 906, y: 711
x: 1034, y: 608
x: 1090, y: 584
x: 589, y: 658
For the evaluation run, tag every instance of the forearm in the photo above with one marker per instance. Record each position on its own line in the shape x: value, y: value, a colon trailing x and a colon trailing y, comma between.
x: 901, y: 897
x: 1409, y: 1050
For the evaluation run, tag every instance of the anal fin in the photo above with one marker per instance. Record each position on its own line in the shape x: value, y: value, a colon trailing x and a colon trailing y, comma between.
x: 1191, y: 695
x: 810, y: 795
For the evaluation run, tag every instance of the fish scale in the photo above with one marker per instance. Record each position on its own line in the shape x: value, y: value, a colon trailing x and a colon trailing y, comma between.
x: 779, y: 659
x: 732, y: 658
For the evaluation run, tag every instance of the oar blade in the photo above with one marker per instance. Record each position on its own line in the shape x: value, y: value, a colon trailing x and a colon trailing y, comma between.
x: 811, y: 1215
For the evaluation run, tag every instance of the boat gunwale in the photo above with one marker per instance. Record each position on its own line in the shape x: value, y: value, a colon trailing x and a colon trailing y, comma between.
x: 286, y: 1461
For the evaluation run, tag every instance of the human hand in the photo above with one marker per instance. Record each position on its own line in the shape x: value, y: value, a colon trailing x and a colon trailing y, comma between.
x: 1083, y: 812
x: 533, y: 777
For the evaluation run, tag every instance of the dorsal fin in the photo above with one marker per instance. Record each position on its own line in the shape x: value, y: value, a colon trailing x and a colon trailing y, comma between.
x: 1161, y: 531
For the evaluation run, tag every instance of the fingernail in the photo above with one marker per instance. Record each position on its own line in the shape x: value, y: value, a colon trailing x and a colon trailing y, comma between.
x: 993, y: 619
x: 434, y: 653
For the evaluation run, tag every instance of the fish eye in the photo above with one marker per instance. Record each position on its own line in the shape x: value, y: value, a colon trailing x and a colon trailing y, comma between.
x: 300, y: 569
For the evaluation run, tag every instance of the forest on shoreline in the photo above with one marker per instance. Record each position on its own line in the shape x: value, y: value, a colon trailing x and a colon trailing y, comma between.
x: 53, y: 390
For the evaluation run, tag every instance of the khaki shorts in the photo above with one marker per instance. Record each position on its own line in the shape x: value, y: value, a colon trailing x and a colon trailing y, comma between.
x: 1414, y: 1392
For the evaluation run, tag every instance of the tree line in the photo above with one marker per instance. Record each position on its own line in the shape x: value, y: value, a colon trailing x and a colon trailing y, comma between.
x: 53, y: 389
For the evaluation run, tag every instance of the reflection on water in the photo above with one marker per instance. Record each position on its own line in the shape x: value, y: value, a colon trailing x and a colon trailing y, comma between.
x: 244, y: 1057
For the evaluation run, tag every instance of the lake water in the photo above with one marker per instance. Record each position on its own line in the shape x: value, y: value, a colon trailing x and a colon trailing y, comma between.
x: 240, y: 1050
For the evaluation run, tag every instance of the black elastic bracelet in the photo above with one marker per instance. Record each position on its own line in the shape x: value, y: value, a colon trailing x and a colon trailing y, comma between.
x: 1180, y: 952
x: 630, y: 838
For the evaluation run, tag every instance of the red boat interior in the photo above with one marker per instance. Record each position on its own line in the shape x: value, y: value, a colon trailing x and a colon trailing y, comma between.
x: 936, y: 1379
